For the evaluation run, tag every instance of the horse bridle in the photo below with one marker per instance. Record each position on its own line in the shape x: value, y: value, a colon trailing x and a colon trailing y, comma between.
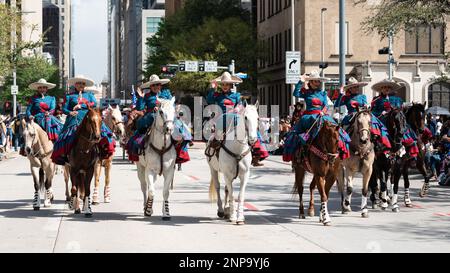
x: 164, y: 150
x: 37, y: 154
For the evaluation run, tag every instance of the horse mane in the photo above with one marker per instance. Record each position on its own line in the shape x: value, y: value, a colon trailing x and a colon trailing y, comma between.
x: 46, y: 144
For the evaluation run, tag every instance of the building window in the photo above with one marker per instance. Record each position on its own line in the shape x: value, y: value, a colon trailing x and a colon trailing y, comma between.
x: 425, y: 40
x: 262, y: 11
x: 336, y: 40
x: 153, y: 24
x: 439, y: 95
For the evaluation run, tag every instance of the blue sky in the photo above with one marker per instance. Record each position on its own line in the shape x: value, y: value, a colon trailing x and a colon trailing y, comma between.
x: 90, y: 34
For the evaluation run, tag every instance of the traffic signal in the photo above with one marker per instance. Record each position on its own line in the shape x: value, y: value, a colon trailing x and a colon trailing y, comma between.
x: 384, y: 51
x: 168, y: 71
x: 164, y: 69
x: 201, y: 67
x: 182, y: 67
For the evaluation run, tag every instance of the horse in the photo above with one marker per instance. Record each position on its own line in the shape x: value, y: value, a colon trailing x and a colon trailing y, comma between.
x: 159, y: 158
x: 38, y: 149
x: 400, y: 163
x: 415, y: 117
x: 82, y: 160
x: 113, y: 120
x: 322, y: 160
x: 233, y: 160
x: 362, y: 156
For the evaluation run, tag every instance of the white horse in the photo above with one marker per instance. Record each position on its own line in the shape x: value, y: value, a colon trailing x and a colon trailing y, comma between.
x: 38, y: 149
x: 159, y: 158
x: 361, y: 160
x: 114, y: 121
x: 234, y: 160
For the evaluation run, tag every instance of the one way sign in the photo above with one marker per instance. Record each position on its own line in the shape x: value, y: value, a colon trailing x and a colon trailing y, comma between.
x: 292, y: 67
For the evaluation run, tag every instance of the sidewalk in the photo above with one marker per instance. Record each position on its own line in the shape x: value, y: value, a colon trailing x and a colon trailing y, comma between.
x: 9, y: 154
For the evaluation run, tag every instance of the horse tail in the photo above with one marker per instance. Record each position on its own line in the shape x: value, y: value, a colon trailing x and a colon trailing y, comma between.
x: 296, y: 186
x: 212, y: 191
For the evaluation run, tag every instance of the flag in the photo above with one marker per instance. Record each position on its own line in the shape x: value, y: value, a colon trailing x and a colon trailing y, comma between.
x: 134, y: 100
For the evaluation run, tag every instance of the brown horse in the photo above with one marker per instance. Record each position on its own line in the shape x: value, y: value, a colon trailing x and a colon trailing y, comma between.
x: 322, y: 160
x: 82, y: 159
x: 131, y: 125
x: 415, y: 117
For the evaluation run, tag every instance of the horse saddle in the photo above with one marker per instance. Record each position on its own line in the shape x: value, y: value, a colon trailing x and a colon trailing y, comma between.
x: 213, y: 148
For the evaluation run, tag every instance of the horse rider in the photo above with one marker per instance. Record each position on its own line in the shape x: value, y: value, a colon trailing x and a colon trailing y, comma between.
x: 228, y: 101
x: 316, y: 99
x: 354, y: 100
x: 148, y: 100
x: 41, y: 108
x: 76, y: 106
x: 385, y: 102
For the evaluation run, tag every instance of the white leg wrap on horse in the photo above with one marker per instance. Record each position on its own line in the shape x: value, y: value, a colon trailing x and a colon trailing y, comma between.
x: 363, y: 202
x: 37, y: 200
x: 395, y: 206
x: 324, y: 216
x: 107, y: 194
x: 48, y: 198
x: 407, y: 198
x: 95, y: 196
x: 240, y: 213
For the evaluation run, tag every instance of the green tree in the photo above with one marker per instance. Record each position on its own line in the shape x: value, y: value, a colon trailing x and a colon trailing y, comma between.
x: 30, y: 70
x: 204, y: 30
x: 397, y: 15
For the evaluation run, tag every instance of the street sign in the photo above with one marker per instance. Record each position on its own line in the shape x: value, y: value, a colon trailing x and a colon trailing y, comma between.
x: 292, y: 67
x: 14, y: 90
x: 105, y: 102
x: 201, y: 67
x: 242, y: 75
x: 191, y: 66
x: 210, y: 66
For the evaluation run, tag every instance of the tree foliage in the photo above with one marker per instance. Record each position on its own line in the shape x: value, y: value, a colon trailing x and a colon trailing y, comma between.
x: 206, y: 30
x: 30, y: 70
x: 398, y: 15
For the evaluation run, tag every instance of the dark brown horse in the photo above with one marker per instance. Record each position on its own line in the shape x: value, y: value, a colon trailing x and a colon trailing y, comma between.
x: 415, y: 117
x: 83, y: 158
x: 321, y: 158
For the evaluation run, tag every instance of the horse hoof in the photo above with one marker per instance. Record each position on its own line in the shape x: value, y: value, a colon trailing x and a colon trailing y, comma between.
x: 147, y: 214
x: 167, y: 218
x: 408, y: 205
x: 396, y: 210
x: 221, y: 214
x: 365, y: 215
x: 311, y: 213
x: 67, y: 199
x: 327, y: 224
x: 226, y: 216
x: 95, y: 203
x: 240, y: 223
x: 88, y: 215
x: 36, y: 208
x: 78, y: 211
x: 302, y: 216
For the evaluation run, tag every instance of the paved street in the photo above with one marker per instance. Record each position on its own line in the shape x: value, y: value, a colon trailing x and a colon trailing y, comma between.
x: 271, y: 212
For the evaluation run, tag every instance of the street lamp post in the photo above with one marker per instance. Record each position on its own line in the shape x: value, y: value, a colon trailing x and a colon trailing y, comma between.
x: 322, y: 48
x: 293, y: 99
x: 13, y: 48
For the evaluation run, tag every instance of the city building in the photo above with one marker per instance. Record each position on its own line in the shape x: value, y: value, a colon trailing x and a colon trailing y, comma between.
x: 419, y: 59
x: 173, y: 6
x: 150, y: 24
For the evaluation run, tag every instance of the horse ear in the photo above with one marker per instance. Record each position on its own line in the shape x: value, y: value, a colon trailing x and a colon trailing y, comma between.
x: 109, y: 107
x: 244, y: 103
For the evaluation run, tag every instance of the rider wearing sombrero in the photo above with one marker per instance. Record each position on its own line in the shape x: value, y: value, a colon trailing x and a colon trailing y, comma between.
x: 354, y: 100
x: 41, y: 108
x: 384, y: 103
x: 148, y: 100
x: 228, y: 101
x: 309, y: 89
x: 76, y: 106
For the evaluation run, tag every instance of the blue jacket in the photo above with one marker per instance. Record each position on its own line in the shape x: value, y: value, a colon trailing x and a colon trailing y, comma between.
x: 228, y: 100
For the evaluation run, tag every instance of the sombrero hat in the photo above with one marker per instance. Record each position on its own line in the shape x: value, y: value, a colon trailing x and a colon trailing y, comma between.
x: 227, y: 78
x: 392, y: 84
x: 154, y: 79
x: 352, y: 82
x: 315, y: 76
x: 40, y: 83
x: 81, y: 78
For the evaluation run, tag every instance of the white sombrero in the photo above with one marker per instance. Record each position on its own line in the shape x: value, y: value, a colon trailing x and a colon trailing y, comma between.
x: 154, y: 79
x: 227, y: 78
x: 40, y: 83
x: 315, y: 76
x: 392, y: 84
x: 352, y: 82
x: 81, y: 78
